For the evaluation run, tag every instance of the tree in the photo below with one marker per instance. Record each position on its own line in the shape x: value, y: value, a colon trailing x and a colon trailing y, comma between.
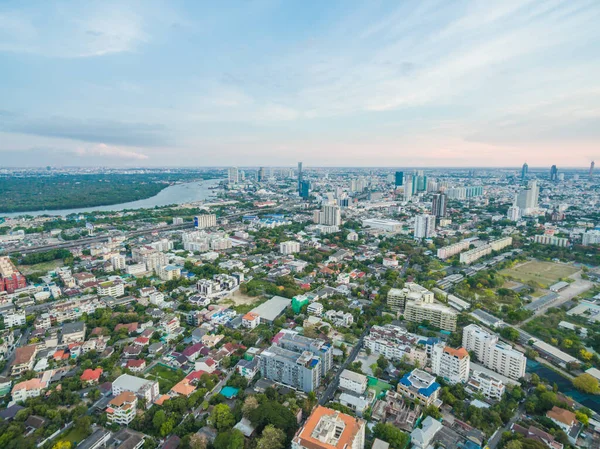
x: 166, y: 428
x: 197, y: 442
x: 233, y: 439
x: 587, y: 383
x: 390, y: 434
x: 535, y: 379
x: 250, y: 404
x: 160, y: 417
x: 582, y: 417
x: 510, y: 333
x: 271, y: 438
x: 514, y: 444
x: 222, y: 418
x: 62, y: 445
x: 433, y: 411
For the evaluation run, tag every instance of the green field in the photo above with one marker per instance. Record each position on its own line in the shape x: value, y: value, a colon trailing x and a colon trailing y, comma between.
x: 162, y: 372
x: 42, y: 267
x: 544, y: 274
x: 74, y: 436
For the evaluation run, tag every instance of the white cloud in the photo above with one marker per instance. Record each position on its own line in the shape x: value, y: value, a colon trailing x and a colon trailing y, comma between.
x: 102, y: 149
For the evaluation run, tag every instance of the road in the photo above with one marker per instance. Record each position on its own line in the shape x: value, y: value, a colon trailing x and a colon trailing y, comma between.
x: 89, y: 240
x: 498, y: 435
x: 330, y: 390
x: 214, y: 391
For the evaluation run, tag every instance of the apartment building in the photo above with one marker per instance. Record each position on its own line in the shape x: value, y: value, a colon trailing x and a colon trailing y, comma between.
x: 425, y: 309
x: 471, y: 256
x: 394, y: 343
x: 118, y: 262
x: 205, y: 221
x: 551, y: 240
x: 14, y: 319
x: 298, y: 343
x: 492, y: 353
x: 490, y: 386
x: 111, y: 288
x: 73, y: 332
x: 301, y: 371
x: 289, y: 247
x: 122, y: 409
x: 446, y: 252
x: 329, y: 429
x: 397, y: 297
x: 420, y: 385
x: 451, y: 364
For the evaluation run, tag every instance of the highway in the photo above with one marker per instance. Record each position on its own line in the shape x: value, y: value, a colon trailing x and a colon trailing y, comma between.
x: 127, y: 235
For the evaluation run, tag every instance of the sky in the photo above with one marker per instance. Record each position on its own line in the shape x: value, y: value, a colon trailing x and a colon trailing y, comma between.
x: 330, y: 83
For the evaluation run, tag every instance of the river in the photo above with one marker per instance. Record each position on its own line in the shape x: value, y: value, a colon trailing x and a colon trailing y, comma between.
x: 565, y: 386
x: 187, y: 192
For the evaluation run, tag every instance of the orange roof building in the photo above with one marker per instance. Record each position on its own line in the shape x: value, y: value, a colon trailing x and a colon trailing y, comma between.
x: 564, y: 418
x: 330, y: 429
x: 451, y: 364
x: 122, y: 409
x: 91, y: 376
x: 183, y: 388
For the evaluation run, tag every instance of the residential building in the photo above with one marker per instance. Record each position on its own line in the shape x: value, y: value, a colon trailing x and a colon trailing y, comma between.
x: 142, y: 388
x: 425, y: 309
x: 301, y: 371
x: 438, y: 205
x: 489, y: 386
x: 422, y: 438
x: 451, y: 364
x: 289, y: 247
x: 397, y: 297
x: 122, y: 409
x: 354, y: 382
x: 448, y: 251
x: 424, y: 226
x: 383, y: 225
x: 248, y: 368
x: 565, y: 419
x: 492, y: 353
x: 28, y: 389
x: 205, y: 221
x: 329, y: 215
x: 24, y: 359
x: 14, y: 319
x: 591, y: 238
x: 73, y: 332
x: 315, y: 309
x: 329, y: 429
x: 294, y: 342
x: 169, y: 272
x: 111, y: 288
x: 420, y: 385
x: 546, y: 239
x: 118, y: 262
x: 251, y: 320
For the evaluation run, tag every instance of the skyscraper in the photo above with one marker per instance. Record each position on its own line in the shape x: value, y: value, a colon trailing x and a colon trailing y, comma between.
x: 408, y: 188
x: 438, y: 205
x: 527, y: 199
x: 233, y: 175
x: 261, y: 176
x: 304, y: 189
x: 424, y: 226
x: 592, y: 168
x: 399, y: 179
x: 553, y: 173
x: 524, y: 170
x: 299, y: 178
x: 329, y: 215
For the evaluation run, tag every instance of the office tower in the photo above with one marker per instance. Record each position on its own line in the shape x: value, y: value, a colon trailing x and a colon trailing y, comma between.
x: 300, y: 178
x: 493, y: 354
x: 304, y: 189
x: 298, y: 370
x: 399, y: 179
x: 329, y: 215
x: 408, y: 187
x: 592, y: 168
x: 438, y: 205
x: 424, y: 226
x: 326, y: 428
x: 233, y: 175
x: 553, y: 173
x: 524, y: 170
x: 451, y: 364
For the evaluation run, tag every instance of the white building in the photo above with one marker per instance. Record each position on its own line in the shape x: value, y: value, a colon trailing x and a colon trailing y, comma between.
x: 329, y: 215
x: 424, y: 226
x: 136, y: 269
x: 315, y: 309
x: 451, y: 364
x: 233, y: 175
x: 169, y: 272
x: 289, y: 247
x: 383, y: 225
x: 14, y: 319
x: 591, y: 238
x: 142, y: 388
x: 546, y: 239
x: 493, y: 354
x: 448, y: 251
x: 118, y: 262
x: 514, y: 213
x: 425, y: 309
x: 122, y: 409
x: 489, y: 386
x: 111, y: 288
x: 205, y: 221
x: 28, y: 389
x: 351, y: 381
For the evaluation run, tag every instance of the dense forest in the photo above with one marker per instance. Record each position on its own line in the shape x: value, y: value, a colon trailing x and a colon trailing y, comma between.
x: 22, y: 194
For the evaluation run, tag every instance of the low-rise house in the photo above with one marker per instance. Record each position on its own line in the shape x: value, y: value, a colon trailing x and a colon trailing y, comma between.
x: 136, y: 366
x: 248, y: 368
x: 91, y: 376
x: 566, y: 420
x: 354, y: 382
x: 536, y: 434
x: 208, y: 365
x: 131, y: 351
x: 251, y: 320
x: 28, y: 389
x: 73, y: 332
x: 155, y: 348
x: 24, y: 359
x: 423, y: 437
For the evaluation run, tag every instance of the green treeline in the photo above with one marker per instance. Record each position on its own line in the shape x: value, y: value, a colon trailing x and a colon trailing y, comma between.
x: 22, y: 194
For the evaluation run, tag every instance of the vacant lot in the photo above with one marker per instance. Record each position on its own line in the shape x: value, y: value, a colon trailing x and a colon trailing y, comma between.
x: 159, y: 372
x: 41, y: 267
x: 542, y: 274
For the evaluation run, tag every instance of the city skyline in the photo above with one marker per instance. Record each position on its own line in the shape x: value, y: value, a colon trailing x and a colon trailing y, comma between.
x: 421, y: 84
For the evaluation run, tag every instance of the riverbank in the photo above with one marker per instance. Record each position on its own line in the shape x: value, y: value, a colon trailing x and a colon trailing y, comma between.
x: 176, y: 193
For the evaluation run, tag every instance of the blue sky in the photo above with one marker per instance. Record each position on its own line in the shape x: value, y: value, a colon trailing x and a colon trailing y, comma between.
x: 338, y: 83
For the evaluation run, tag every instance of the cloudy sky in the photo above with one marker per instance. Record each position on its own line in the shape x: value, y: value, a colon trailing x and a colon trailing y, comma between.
x: 331, y: 83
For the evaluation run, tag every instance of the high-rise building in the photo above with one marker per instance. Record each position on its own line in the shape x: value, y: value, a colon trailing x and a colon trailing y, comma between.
x: 524, y: 170
x: 205, y: 221
x: 553, y: 173
x: 493, y: 354
x: 514, y: 213
x: 527, y: 199
x: 438, y: 205
x: 329, y: 215
x: 425, y: 309
x: 300, y: 178
x: 451, y: 364
x: 233, y: 175
x: 289, y: 247
x: 424, y: 226
x: 399, y: 179
x: 304, y: 189
x: 261, y: 175
x: 408, y: 188
x: 592, y: 168
x: 295, y: 342
x: 298, y: 370
x: 329, y: 429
